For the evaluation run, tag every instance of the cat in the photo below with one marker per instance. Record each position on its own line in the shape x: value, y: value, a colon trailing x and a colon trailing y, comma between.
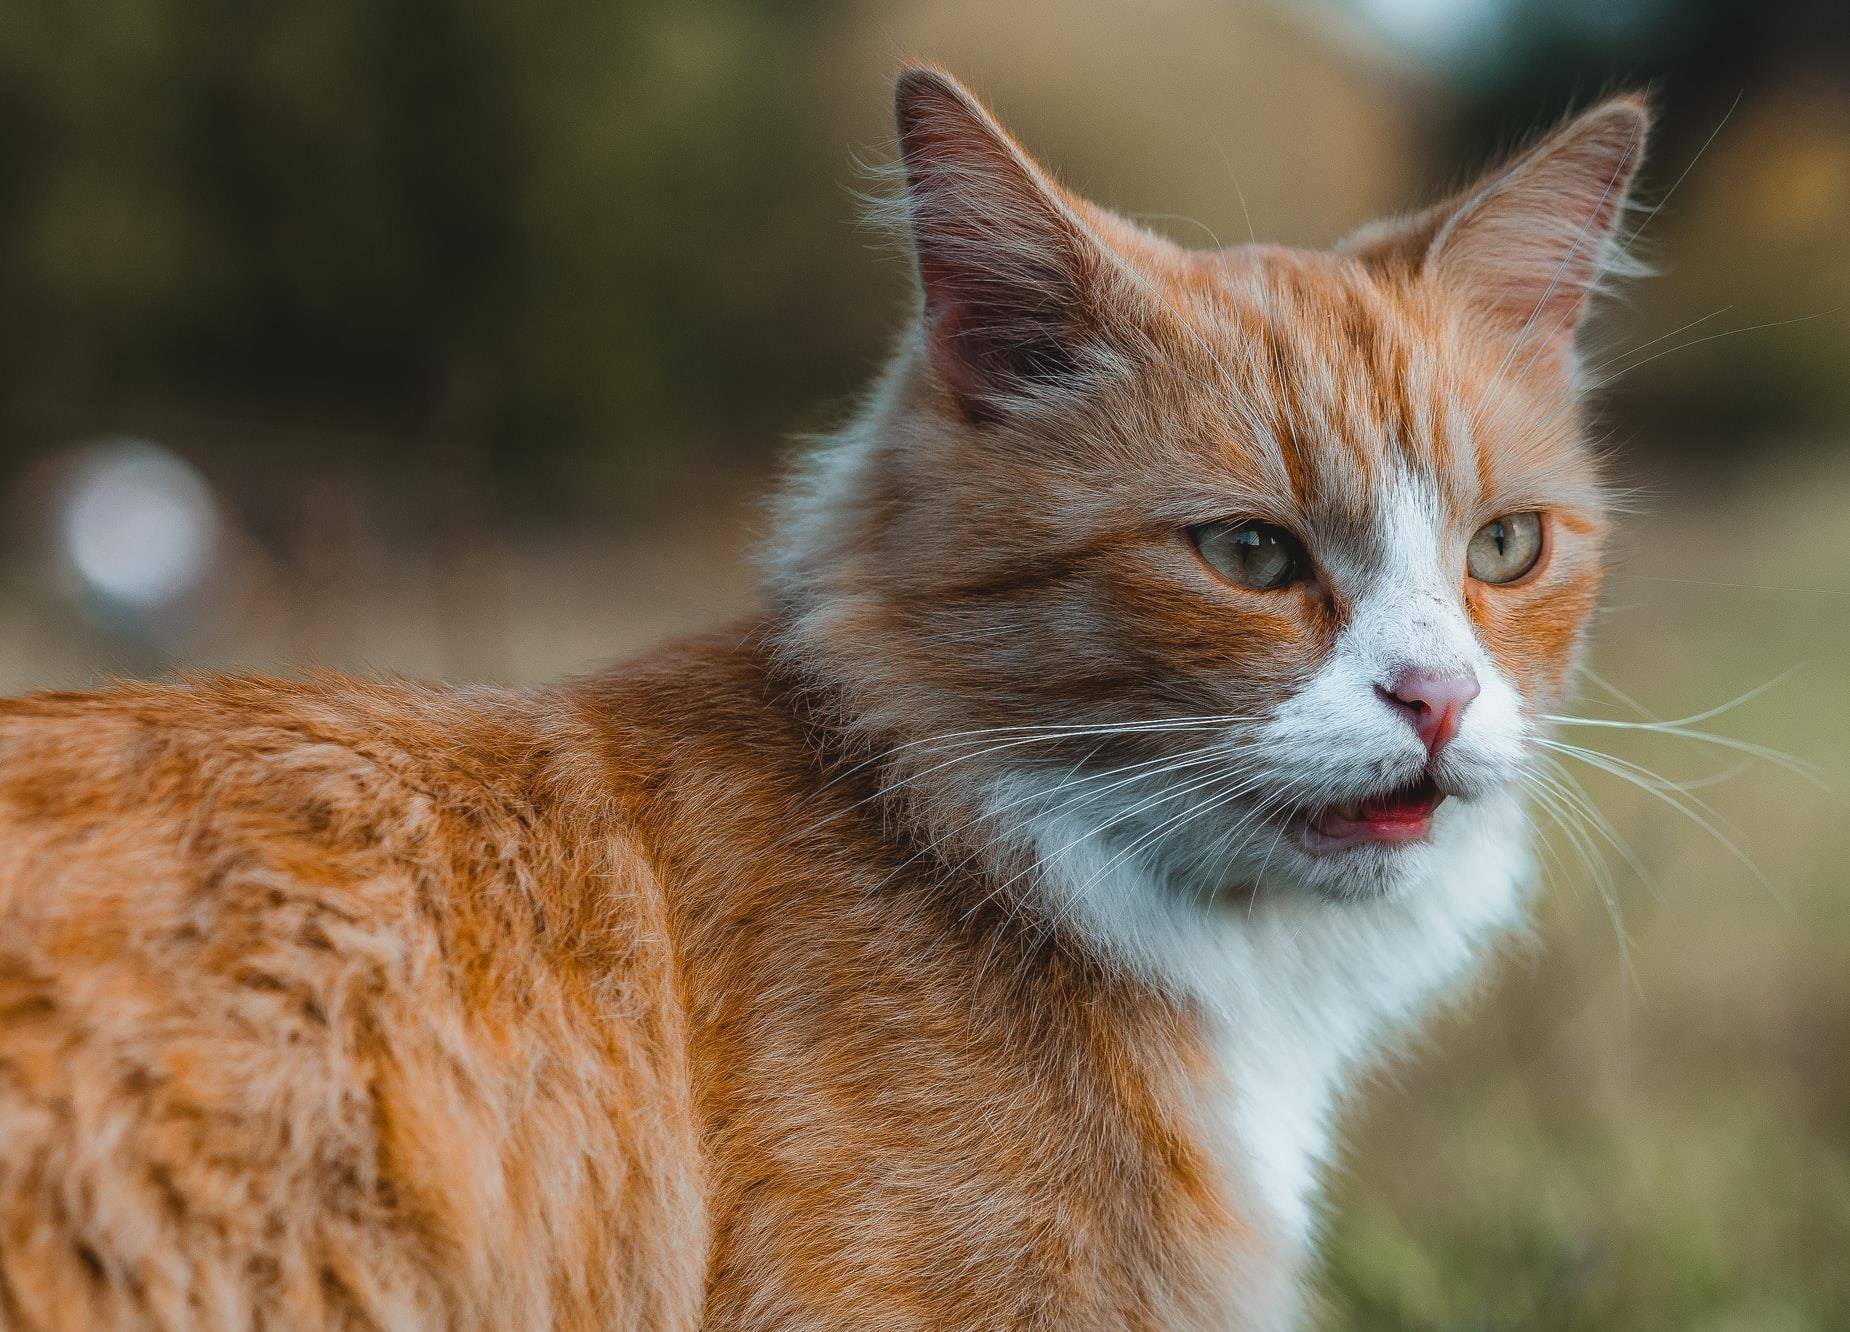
x: 982, y: 936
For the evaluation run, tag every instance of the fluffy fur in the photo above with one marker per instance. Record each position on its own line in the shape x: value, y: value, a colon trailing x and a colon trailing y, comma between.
x: 942, y: 949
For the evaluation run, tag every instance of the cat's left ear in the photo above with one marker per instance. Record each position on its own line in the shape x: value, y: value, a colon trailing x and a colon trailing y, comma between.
x: 1529, y: 245
x: 1008, y: 269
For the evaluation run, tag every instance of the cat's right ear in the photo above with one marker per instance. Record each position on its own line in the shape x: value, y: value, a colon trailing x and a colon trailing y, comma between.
x: 1006, y: 266
x: 1529, y: 246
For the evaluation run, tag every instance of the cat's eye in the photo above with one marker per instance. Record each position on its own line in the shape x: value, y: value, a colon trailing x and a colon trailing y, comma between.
x: 1252, y: 554
x: 1505, y: 548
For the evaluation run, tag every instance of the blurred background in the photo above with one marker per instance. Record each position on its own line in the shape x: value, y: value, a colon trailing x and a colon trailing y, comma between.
x: 463, y: 337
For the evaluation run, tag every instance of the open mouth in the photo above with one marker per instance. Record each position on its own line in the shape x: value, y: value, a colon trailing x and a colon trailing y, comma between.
x: 1403, y: 814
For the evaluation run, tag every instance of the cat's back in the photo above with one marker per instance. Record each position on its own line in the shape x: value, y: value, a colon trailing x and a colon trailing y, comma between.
x: 332, y: 1003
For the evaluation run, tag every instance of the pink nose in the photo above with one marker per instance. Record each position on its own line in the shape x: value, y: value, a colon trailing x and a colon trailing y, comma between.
x: 1433, y: 704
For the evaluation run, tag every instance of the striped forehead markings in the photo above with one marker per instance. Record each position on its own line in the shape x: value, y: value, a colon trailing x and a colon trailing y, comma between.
x: 1358, y: 392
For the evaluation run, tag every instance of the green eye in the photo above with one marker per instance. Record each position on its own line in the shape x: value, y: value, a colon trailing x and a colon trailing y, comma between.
x: 1255, y: 555
x: 1505, y: 548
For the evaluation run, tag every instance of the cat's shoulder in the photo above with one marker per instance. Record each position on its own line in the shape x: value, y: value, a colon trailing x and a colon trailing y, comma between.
x: 360, y: 796
x: 242, y: 744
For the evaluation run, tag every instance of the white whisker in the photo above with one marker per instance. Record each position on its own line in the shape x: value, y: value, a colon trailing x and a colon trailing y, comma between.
x: 1690, y: 807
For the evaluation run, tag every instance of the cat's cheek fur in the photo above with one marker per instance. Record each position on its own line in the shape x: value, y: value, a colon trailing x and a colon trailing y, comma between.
x: 1539, y: 632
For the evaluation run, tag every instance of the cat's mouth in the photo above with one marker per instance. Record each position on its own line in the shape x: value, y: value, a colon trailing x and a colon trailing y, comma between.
x: 1403, y: 814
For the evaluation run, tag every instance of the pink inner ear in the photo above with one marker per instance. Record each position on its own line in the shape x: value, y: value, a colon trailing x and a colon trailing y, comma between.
x: 978, y: 359
x: 1003, y: 265
x: 990, y: 338
x: 953, y: 354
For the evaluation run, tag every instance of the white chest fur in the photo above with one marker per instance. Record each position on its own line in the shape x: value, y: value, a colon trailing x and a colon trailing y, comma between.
x: 1304, y: 990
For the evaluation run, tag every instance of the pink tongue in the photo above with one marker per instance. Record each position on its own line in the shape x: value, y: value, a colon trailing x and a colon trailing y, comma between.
x: 1395, y: 809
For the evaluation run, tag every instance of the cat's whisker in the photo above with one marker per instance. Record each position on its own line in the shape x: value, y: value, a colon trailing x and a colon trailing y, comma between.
x: 1800, y: 768
x: 1765, y: 753
x: 1721, y: 778
x: 1656, y: 779
x: 1650, y: 214
x: 1163, y: 766
x: 1683, y: 728
x: 1557, y: 777
x: 1622, y: 371
x: 1160, y: 798
x: 1616, y: 357
x: 1063, y: 730
x: 1254, y: 824
x: 1546, y: 844
x: 1214, y: 801
x: 1252, y: 816
x: 1259, y: 822
x: 1623, y: 698
x: 1240, y: 783
x: 1224, y: 850
x: 1693, y: 808
x: 1040, y: 862
x: 1223, y: 755
x: 1569, y: 823
x: 1549, y: 799
x: 1707, y: 714
x: 1036, y: 734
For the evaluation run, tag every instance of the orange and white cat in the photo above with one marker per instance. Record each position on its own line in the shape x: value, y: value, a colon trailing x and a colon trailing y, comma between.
x: 982, y: 937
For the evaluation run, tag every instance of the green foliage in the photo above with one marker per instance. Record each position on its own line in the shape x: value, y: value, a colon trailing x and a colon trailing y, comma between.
x: 545, y: 226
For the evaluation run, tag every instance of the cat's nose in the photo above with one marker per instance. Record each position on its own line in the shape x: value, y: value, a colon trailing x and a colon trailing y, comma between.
x: 1433, y: 704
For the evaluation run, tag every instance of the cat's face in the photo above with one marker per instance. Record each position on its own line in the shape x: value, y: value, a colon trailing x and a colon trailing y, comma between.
x: 1253, y: 565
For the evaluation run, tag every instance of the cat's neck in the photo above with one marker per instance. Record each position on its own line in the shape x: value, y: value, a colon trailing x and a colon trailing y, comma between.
x: 1300, y: 991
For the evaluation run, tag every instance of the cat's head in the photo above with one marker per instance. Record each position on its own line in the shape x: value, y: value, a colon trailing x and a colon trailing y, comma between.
x: 1250, y: 565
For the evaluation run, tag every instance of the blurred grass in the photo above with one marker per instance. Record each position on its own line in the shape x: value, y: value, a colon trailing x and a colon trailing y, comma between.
x: 1653, y: 1135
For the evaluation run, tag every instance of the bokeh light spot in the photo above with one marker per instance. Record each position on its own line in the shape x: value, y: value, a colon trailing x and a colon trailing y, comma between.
x: 139, y: 523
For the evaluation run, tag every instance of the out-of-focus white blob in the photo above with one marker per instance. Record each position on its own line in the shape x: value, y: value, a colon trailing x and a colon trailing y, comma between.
x: 139, y: 523
x: 1465, y: 31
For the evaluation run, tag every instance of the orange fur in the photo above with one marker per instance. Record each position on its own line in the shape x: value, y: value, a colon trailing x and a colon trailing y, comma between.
x: 708, y: 992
